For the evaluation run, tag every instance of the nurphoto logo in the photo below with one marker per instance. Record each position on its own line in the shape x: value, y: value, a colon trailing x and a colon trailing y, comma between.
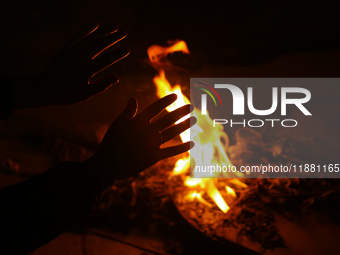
x: 238, y: 103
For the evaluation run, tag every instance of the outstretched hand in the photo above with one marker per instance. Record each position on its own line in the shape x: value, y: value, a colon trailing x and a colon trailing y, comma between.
x: 69, y: 78
x: 132, y: 143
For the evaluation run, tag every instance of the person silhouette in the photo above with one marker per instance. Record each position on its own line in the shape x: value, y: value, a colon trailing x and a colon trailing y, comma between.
x: 37, y: 210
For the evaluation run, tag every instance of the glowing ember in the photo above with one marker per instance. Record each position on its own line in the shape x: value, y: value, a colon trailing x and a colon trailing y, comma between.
x: 230, y: 191
x: 212, y: 144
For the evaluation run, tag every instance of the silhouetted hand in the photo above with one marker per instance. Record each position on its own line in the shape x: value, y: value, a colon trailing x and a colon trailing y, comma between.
x: 132, y: 144
x: 67, y: 79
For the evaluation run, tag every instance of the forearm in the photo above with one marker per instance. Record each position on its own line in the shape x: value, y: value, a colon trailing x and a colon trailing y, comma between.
x: 36, y: 211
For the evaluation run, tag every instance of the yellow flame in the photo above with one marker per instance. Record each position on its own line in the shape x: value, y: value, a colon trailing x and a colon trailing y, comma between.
x: 230, y: 192
x: 202, y: 200
x: 190, y: 182
x: 211, y: 144
x: 238, y: 183
x: 213, y: 192
x: 164, y: 88
x: 181, y: 166
x: 156, y: 53
x: 191, y: 196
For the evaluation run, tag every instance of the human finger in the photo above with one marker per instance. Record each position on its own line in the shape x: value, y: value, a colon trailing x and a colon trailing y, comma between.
x: 175, y: 150
x: 102, y: 62
x: 99, y: 85
x: 103, y: 43
x: 97, y: 35
x: 172, y: 117
x: 130, y: 111
x: 90, y: 28
x: 174, y: 131
x: 157, y: 107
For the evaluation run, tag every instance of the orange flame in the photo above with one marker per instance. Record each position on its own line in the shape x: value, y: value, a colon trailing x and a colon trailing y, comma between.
x: 207, y: 144
x: 156, y: 53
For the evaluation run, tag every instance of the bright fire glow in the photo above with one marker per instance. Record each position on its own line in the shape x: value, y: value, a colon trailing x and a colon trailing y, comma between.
x: 211, y: 144
x: 230, y: 191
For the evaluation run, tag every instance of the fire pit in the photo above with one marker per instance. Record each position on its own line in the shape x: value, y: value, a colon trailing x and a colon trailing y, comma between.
x: 250, y: 212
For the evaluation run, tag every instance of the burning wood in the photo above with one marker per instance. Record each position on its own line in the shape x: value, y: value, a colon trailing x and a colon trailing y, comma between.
x: 209, y: 144
x: 249, y: 202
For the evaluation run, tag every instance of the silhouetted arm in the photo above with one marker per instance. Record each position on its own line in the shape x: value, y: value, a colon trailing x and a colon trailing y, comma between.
x: 38, y: 210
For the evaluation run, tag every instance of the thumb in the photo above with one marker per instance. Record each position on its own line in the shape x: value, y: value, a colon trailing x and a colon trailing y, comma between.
x: 130, y: 110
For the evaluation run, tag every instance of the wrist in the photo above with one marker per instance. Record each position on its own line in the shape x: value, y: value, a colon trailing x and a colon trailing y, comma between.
x: 103, y: 175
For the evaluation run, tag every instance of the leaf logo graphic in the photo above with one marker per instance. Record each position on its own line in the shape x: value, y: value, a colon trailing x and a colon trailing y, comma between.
x: 205, y: 89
